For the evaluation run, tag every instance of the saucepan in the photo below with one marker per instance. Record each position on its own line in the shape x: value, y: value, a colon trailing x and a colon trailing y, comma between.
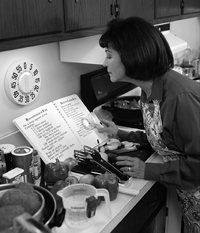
x: 125, y: 108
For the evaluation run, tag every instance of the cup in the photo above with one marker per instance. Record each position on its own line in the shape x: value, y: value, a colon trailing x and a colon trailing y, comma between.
x: 79, y: 201
x: 23, y: 158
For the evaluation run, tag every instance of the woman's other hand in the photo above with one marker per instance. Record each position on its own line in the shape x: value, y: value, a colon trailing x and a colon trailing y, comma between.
x: 109, y: 128
x: 134, y: 167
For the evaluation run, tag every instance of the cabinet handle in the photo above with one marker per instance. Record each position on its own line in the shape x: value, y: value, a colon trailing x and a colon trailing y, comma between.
x: 77, y: 1
x: 50, y: 1
x: 182, y: 6
x: 116, y: 10
x: 111, y: 9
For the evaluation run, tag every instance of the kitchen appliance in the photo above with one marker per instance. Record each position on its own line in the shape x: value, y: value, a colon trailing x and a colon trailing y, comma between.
x: 80, y: 202
x: 97, y: 90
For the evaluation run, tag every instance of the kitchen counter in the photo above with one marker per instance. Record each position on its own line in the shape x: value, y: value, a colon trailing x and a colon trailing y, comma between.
x: 120, y: 208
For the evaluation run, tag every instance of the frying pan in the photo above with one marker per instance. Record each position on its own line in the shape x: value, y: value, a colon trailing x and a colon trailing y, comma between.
x: 124, y: 114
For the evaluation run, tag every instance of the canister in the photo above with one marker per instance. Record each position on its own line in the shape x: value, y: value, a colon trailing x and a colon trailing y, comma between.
x: 7, y: 149
x: 23, y: 158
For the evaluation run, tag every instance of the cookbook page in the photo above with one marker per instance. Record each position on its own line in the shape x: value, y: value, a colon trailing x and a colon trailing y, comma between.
x: 48, y: 132
x: 74, y: 112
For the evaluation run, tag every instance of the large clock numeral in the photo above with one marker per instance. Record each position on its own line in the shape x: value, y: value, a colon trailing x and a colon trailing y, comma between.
x: 13, y: 85
x: 14, y: 76
x: 27, y: 99
x: 37, y: 80
x: 19, y: 68
x: 21, y: 98
x: 35, y: 72
x: 32, y: 95
x: 16, y: 94
x: 36, y: 88
x: 25, y: 65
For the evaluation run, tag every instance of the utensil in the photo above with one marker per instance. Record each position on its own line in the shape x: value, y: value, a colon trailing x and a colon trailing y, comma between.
x: 90, y: 155
x: 29, y: 224
x: 80, y: 201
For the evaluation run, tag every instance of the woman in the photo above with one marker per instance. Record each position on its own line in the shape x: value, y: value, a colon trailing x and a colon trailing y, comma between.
x: 136, y: 52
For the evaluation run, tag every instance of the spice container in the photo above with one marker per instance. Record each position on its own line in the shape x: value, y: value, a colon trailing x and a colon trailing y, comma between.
x: 23, y: 158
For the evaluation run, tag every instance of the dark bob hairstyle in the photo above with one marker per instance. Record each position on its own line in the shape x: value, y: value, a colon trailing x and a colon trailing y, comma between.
x: 143, y: 49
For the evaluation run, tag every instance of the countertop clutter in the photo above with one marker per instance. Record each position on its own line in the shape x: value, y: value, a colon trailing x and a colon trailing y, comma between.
x: 137, y: 199
x: 136, y: 190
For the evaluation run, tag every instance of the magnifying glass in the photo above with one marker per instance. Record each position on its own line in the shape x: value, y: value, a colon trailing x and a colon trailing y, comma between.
x: 91, y: 121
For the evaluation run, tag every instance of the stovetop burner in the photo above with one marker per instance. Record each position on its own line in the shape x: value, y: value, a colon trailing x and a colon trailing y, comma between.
x: 131, y: 124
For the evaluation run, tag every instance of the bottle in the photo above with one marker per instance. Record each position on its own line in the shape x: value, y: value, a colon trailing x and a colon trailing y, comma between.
x: 36, y: 165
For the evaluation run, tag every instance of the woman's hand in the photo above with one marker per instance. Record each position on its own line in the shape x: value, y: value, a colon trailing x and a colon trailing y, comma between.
x: 109, y: 128
x: 134, y: 167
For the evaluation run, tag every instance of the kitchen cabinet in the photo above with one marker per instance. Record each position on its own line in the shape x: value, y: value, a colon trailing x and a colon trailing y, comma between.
x: 170, y: 10
x: 24, y: 19
x: 84, y: 14
x: 190, y: 7
x: 140, y: 8
x: 26, y: 23
x: 167, y: 8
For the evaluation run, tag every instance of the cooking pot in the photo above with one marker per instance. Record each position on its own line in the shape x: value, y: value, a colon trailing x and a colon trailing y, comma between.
x: 47, y: 214
x: 125, y: 109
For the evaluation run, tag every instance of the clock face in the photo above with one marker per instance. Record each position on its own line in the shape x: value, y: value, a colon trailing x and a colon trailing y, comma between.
x: 22, y: 82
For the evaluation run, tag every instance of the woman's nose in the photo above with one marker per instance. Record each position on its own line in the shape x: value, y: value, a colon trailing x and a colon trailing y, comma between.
x: 105, y: 63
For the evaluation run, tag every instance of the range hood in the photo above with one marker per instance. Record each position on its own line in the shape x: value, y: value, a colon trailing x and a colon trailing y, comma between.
x: 87, y: 49
x: 176, y: 44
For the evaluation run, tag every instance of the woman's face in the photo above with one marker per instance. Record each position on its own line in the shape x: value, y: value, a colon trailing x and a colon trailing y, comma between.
x: 114, y: 65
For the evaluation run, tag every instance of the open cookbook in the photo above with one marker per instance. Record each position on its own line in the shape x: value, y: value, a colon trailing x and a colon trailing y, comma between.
x: 58, y: 128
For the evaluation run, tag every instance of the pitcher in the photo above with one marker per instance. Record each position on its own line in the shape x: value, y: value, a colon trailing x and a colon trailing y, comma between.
x: 80, y: 200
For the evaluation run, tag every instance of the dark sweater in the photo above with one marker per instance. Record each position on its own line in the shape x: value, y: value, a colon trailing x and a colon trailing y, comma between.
x: 179, y: 100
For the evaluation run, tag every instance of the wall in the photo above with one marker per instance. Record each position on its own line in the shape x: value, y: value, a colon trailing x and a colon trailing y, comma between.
x: 60, y: 79
x: 188, y: 30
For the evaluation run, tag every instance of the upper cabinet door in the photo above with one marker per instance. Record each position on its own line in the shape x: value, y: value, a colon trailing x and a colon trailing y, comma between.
x: 23, y: 18
x: 167, y: 8
x: 84, y: 14
x: 140, y: 8
x: 191, y: 6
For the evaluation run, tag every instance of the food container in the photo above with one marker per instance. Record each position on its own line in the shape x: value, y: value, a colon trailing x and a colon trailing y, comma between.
x: 122, y: 109
x: 23, y: 158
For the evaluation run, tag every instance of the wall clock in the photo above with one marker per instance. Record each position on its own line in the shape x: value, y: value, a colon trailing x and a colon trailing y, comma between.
x: 22, y: 82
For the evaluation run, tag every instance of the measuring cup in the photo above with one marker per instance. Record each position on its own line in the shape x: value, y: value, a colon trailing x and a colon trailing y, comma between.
x: 80, y: 202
